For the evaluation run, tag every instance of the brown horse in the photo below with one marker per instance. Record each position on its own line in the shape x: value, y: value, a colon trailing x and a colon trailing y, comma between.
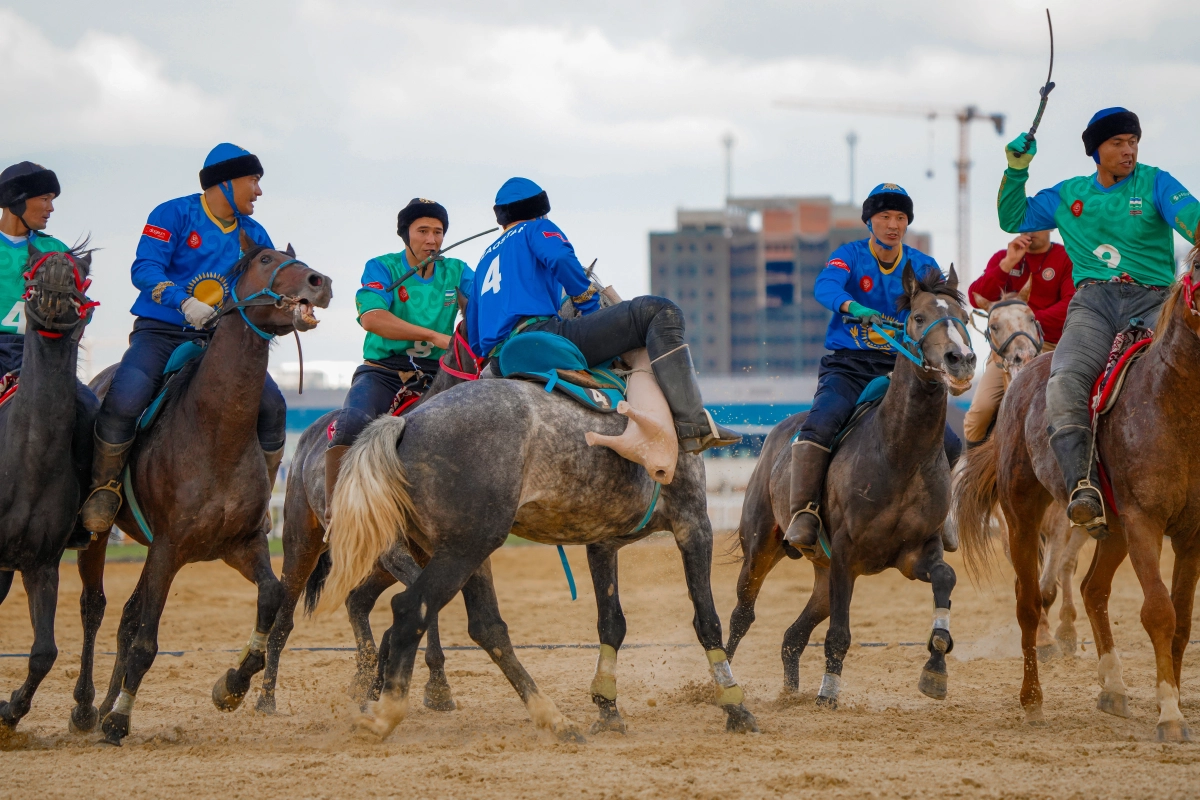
x: 1147, y: 442
x: 886, y: 495
x: 201, y: 482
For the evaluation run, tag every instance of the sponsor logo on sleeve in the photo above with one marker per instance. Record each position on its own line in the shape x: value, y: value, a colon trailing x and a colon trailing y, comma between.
x: 839, y: 264
x: 155, y: 232
x: 194, y: 240
x: 1077, y: 208
x: 1175, y: 198
x: 866, y: 283
x: 373, y: 285
x: 552, y: 234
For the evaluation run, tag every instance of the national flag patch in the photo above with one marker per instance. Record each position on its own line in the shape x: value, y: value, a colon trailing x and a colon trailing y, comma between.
x: 1135, y: 206
x: 155, y: 232
x: 838, y: 263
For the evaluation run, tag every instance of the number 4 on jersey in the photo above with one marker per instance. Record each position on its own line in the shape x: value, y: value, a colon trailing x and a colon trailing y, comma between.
x: 15, y: 317
x: 491, y: 281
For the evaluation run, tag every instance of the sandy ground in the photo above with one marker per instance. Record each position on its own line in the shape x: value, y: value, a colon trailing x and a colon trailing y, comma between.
x: 887, y: 740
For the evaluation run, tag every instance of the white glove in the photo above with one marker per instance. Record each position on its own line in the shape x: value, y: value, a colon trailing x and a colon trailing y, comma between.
x: 198, y: 313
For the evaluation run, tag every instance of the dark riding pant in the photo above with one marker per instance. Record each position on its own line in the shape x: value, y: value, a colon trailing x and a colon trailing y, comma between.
x: 651, y: 322
x: 841, y: 380
x: 1097, y: 313
x: 139, y: 378
x: 374, y: 386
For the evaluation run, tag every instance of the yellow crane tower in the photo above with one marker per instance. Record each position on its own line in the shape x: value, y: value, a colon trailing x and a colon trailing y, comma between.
x: 965, y: 116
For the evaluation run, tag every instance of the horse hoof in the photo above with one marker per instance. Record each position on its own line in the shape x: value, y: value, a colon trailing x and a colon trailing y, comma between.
x: 1068, y: 646
x: 265, y: 704
x: 6, y: 717
x: 115, y: 728
x: 1048, y: 652
x: 570, y: 734
x: 740, y: 720
x: 932, y: 684
x: 1034, y: 717
x: 1173, y: 731
x: 1115, y: 704
x: 829, y: 703
x: 438, y: 698
x: 610, y: 717
x: 224, y: 699
x: 83, y: 719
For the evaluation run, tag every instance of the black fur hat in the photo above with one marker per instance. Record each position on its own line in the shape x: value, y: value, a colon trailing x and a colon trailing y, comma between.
x: 519, y: 199
x: 417, y: 208
x: 887, y: 197
x: 1108, y: 123
x: 22, y: 181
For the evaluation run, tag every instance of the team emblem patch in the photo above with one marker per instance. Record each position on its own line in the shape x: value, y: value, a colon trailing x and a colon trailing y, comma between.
x: 866, y: 283
x: 373, y: 285
x: 1135, y: 206
x: 890, y: 187
x: 839, y: 264
x: 155, y: 232
x: 194, y: 240
x: 402, y: 294
x: 1048, y: 274
x: 1077, y: 208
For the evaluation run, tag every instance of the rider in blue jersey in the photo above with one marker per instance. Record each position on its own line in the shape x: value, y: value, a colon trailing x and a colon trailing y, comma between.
x: 859, y: 278
x: 183, y: 268
x: 519, y: 285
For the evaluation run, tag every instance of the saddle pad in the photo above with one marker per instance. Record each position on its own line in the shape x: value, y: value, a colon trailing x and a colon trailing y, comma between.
x: 871, y: 396
x: 1108, y: 386
x: 555, y: 361
x: 182, y: 354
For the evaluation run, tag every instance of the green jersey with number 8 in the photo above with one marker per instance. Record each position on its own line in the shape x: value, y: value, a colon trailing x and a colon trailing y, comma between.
x: 13, y: 263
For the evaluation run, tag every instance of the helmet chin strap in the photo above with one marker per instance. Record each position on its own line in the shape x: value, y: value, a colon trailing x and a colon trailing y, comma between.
x: 226, y: 188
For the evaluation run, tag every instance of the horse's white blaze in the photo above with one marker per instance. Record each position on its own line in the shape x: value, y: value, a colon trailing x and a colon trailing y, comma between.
x: 1168, y: 703
x: 1110, y: 674
x: 942, y: 304
x: 957, y: 338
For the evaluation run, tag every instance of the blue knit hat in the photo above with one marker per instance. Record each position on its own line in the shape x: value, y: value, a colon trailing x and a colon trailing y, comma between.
x: 225, y: 162
x: 520, y: 199
x: 887, y: 197
x: 1107, y: 123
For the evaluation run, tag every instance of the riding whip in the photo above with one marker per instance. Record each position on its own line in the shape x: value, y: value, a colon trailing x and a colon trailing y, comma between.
x: 435, y: 256
x: 1044, y: 92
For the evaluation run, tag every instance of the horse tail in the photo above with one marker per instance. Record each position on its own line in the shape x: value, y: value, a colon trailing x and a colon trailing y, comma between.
x: 976, y: 493
x: 316, y: 583
x: 371, y: 507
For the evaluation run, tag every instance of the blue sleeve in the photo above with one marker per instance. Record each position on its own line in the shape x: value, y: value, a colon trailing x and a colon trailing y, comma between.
x: 466, y: 282
x: 373, y: 294
x: 553, y: 250
x: 1040, y: 210
x: 830, y: 286
x: 161, y: 235
x: 1176, y: 205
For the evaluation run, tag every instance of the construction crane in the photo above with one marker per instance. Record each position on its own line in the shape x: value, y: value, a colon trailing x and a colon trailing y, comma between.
x: 965, y: 116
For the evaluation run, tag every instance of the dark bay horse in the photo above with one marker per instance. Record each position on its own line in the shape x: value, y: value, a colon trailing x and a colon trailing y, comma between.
x: 40, y: 480
x: 201, y: 482
x: 306, y: 559
x: 405, y: 479
x: 886, y: 496
x: 1147, y: 441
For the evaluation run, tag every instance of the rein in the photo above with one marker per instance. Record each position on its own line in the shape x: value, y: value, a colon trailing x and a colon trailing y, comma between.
x: 54, y: 329
x: 1189, y: 291
x: 459, y: 341
x: 1038, y: 343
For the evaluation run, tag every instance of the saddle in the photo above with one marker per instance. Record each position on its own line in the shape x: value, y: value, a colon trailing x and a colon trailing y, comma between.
x: 556, y: 362
x: 870, y: 397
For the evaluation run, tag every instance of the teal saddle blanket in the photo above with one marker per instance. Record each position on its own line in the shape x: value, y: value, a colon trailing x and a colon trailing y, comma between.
x: 179, y: 359
x: 871, y: 396
x: 556, y: 362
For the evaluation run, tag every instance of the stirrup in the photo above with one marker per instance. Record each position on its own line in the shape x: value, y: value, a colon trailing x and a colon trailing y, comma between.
x: 822, y: 537
x: 1097, y: 522
x: 113, y: 486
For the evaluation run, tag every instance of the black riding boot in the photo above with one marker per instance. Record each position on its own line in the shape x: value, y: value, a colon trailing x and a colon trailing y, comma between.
x: 1072, y: 447
x: 695, y: 427
x: 104, y: 502
x: 809, y: 464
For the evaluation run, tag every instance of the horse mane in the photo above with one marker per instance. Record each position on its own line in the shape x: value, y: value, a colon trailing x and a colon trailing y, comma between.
x: 1166, y: 315
x: 934, y: 282
x: 79, y: 252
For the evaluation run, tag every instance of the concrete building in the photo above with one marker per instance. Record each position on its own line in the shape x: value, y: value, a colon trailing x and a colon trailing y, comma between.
x: 744, y: 275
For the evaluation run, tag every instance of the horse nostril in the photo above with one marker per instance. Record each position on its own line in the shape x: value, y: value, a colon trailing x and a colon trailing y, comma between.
x: 952, y: 358
x: 316, y: 281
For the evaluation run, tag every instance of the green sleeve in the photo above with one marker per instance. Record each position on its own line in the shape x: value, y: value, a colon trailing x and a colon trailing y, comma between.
x: 366, y: 300
x: 1011, y: 201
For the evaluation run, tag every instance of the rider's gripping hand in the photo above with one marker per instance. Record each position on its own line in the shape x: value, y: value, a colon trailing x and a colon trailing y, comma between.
x: 1012, y: 151
x: 861, y: 311
x: 196, y: 312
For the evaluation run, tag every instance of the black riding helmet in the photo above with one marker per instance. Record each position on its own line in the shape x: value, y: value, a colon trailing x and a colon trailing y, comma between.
x: 22, y: 181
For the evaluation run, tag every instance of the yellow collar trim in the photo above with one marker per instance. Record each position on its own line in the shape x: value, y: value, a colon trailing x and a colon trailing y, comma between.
x: 880, y: 258
x: 230, y: 229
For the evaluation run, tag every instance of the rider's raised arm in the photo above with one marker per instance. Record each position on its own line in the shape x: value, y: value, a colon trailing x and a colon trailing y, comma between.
x: 1021, y: 214
x: 830, y: 286
x: 1176, y: 205
x: 552, y: 249
x: 160, y: 238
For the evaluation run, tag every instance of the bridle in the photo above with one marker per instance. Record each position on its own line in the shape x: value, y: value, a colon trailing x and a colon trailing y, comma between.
x: 888, y: 330
x: 1038, y: 343
x: 1189, y: 292
x: 267, y: 296
x: 457, y: 341
x: 35, y: 285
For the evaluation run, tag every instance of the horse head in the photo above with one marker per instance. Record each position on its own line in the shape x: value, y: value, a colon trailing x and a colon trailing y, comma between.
x: 276, y: 293
x: 55, y: 287
x: 937, y: 326
x: 1012, y: 332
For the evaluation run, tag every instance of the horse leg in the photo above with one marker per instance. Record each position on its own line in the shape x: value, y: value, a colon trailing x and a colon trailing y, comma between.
x: 837, y: 639
x: 694, y: 540
x: 41, y: 584
x: 6, y: 579
x: 765, y: 551
x: 1024, y: 524
x: 1096, y: 587
x: 91, y: 609
x: 1183, y: 593
x: 610, y: 625
x: 1055, y: 546
x: 936, y: 571
x: 405, y: 563
x: 1065, y: 635
x: 137, y: 639
x: 130, y: 614
x: 302, y: 547
x: 359, y: 603
x: 795, y: 639
x: 253, y: 561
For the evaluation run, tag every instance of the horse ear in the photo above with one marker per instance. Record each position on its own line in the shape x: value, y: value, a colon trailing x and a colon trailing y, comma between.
x: 952, y: 281
x: 908, y: 279
x: 981, y: 302
x: 33, y: 251
x: 86, y: 259
x: 290, y: 252
x: 1026, y: 290
x: 246, y: 242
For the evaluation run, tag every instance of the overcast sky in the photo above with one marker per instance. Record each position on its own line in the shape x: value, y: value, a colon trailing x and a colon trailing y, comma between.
x: 616, y: 109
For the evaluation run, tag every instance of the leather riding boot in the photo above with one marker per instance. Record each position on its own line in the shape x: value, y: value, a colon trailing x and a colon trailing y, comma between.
x: 274, y: 458
x: 333, y: 465
x: 102, y: 505
x: 695, y: 427
x: 809, y: 464
x: 1072, y: 447
x: 80, y: 538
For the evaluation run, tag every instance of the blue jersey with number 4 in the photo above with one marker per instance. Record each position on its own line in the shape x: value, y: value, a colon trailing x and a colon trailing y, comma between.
x: 523, y: 274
